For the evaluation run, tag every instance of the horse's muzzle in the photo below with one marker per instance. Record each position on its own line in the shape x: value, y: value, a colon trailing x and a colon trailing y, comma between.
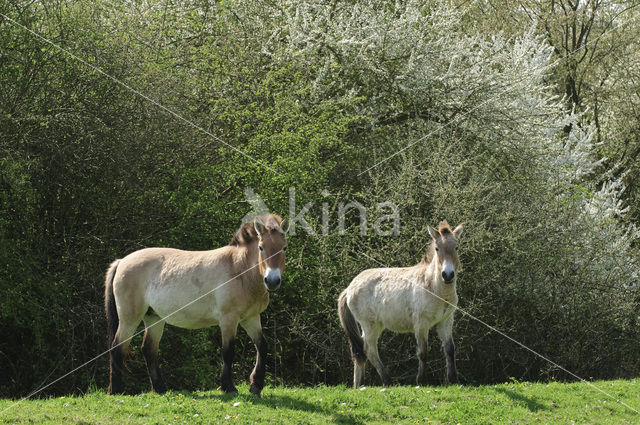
x: 273, y: 284
x: 272, y: 279
x: 448, y: 276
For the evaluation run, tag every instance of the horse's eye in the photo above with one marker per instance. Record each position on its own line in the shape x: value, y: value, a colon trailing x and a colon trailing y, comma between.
x: 284, y: 249
x: 437, y: 250
x: 456, y: 248
x: 261, y: 248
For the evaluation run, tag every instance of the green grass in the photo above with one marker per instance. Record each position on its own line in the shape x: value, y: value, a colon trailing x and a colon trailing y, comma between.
x: 520, y: 403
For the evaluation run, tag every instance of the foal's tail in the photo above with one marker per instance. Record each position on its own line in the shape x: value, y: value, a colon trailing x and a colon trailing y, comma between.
x: 350, y: 326
x: 110, y: 304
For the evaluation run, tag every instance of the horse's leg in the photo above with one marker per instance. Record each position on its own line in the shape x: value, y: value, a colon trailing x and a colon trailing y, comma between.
x: 445, y: 332
x: 118, y: 351
x: 371, y: 333
x: 131, y: 310
x: 359, y: 367
x: 422, y: 339
x: 154, y: 327
x: 228, y: 328
x: 254, y: 330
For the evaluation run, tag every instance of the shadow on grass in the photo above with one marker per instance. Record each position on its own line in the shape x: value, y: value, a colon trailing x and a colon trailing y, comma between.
x: 275, y: 401
x: 529, y: 402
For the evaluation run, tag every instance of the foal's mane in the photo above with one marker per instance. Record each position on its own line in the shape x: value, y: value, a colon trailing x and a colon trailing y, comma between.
x: 247, y: 232
x: 444, y: 229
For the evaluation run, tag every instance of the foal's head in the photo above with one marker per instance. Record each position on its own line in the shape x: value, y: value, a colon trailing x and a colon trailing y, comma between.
x: 272, y: 244
x: 445, y: 249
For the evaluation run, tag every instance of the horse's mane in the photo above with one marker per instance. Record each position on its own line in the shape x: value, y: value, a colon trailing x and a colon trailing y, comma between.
x: 244, y: 235
x: 247, y: 232
x: 444, y: 230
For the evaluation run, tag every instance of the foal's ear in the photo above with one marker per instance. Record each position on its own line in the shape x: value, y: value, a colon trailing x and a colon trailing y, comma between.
x: 284, y: 226
x: 458, y: 231
x: 257, y: 224
x: 433, y: 232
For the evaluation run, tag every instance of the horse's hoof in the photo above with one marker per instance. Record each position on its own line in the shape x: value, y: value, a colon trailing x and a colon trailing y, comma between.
x: 255, y: 390
x: 230, y: 391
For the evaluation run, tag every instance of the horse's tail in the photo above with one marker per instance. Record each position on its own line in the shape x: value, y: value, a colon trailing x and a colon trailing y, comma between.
x: 110, y: 304
x: 350, y: 326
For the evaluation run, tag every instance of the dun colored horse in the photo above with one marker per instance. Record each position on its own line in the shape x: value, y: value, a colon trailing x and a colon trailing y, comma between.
x: 405, y: 300
x: 195, y: 289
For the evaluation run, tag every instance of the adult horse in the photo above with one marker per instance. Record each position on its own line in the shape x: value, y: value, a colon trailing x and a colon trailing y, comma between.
x: 405, y: 300
x: 195, y: 289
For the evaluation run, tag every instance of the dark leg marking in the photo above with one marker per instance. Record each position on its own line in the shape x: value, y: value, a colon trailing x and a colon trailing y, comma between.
x: 386, y: 378
x: 225, y: 377
x: 116, y: 366
x: 257, y: 376
x: 421, y: 378
x: 450, y: 350
x: 151, y: 358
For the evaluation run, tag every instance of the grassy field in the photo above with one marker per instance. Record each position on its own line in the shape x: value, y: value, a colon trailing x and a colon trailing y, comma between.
x: 552, y: 403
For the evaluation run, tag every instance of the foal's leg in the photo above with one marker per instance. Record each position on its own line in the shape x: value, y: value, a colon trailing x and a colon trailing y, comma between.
x: 228, y: 328
x: 359, y: 366
x: 254, y: 330
x: 422, y: 339
x: 154, y: 327
x: 371, y: 333
x: 445, y: 332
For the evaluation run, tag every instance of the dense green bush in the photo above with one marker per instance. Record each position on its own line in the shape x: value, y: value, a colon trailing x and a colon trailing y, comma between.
x: 315, y: 93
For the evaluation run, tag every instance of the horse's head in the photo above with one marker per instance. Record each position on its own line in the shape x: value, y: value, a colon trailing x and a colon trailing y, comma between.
x: 445, y: 250
x: 272, y: 243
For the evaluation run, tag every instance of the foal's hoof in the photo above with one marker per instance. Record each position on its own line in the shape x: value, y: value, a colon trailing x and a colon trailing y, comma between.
x: 253, y: 389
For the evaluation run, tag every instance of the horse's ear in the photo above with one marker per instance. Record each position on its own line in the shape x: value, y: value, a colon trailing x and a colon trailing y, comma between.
x: 257, y: 224
x: 458, y: 231
x: 433, y: 232
x: 284, y: 225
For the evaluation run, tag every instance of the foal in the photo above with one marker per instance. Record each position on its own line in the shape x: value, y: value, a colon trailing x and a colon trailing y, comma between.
x: 405, y: 300
x: 195, y: 289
